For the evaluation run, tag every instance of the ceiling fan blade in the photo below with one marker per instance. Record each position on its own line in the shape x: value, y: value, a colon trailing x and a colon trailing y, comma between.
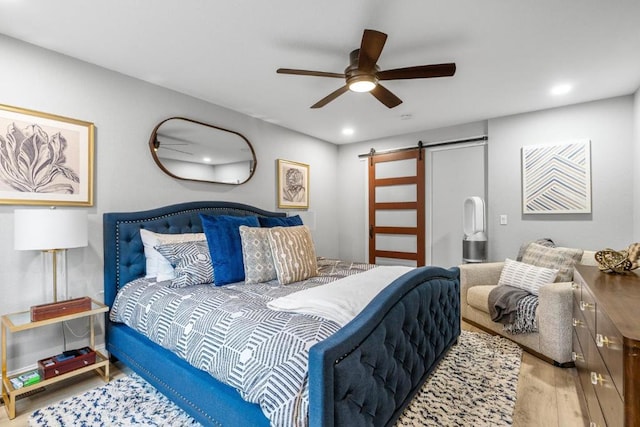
x: 385, y: 96
x: 333, y: 95
x: 308, y: 73
x: 370, y: 49
x: 162, y: 147
x: 419, y: 72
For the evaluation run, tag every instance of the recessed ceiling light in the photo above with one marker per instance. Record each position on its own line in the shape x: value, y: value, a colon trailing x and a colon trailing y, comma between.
x: 561, y: 89
x: 206, y: 159
x: 347, y: 131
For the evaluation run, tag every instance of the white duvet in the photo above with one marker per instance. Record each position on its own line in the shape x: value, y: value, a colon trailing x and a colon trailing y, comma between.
x: 343, y: 299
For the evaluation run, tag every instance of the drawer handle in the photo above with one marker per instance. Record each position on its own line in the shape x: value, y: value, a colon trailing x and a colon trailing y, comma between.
x: 575, y: 356
x: 577, y: 322
x: 602, y: 340
x: 585, y: 305
x: 593, y: 424
x: 574, y: 285
x: 596, y: 378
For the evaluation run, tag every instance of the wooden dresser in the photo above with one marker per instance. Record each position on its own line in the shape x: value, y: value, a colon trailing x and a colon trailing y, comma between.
x: 606, y: 344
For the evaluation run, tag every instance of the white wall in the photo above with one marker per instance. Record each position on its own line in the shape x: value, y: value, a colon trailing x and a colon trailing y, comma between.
x: 352, y: 187
x: 125, y: 111
x: 636, y: 166
x: 609, y: 126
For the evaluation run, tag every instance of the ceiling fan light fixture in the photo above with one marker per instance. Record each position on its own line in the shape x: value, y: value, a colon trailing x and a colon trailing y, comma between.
x: 362, y: 83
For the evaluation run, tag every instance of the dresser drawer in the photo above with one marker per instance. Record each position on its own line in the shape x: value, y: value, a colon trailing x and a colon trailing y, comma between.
x: 576, y: 287
x: 587, y: 305
x: 580, y: 327
x: 610, y: 345
x: 610, y: 402
x: 580, y: 357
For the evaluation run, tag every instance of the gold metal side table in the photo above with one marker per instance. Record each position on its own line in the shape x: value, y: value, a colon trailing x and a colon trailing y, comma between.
x: 16, y: 322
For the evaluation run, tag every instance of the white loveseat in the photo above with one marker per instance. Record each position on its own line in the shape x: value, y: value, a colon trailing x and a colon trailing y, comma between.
x: 553, y: 340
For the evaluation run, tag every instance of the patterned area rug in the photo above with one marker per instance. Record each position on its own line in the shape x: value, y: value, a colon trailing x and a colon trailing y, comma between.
x: 475, y: 384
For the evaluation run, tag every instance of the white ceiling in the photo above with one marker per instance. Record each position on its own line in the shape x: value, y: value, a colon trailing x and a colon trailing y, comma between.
x: 508, y: 54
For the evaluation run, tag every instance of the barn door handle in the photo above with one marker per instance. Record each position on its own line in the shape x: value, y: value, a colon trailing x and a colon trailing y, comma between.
x: 371, y: 231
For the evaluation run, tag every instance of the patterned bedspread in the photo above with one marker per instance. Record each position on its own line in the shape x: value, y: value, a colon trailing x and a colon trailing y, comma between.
x: 229, y: 332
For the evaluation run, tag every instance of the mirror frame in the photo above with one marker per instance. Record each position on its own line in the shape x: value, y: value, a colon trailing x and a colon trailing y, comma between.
x: 154, y: 154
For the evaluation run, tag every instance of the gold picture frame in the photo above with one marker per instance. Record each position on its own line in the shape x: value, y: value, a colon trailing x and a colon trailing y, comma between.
x: 293, y: 185
x: 45, y: 159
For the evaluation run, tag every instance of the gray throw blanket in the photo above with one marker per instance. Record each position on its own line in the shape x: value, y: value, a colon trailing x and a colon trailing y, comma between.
x: 514, y: 308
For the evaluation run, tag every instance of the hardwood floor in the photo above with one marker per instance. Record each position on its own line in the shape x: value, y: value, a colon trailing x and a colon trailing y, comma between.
x: 547, y: 396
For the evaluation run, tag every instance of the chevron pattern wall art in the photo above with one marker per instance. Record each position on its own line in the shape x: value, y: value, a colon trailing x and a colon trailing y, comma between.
x: 556, y: 178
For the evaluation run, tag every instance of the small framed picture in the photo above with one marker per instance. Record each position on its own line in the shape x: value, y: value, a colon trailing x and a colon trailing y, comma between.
x: 45, y: 159
x: 293, y: 185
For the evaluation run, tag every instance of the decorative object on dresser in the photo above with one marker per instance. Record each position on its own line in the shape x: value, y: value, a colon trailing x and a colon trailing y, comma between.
x: 51, y: 231
x: 606, y: 344
x: 46, y: 159
x: 612, y: 261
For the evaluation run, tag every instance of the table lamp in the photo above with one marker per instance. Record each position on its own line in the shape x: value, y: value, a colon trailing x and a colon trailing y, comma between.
x: 51, y: 231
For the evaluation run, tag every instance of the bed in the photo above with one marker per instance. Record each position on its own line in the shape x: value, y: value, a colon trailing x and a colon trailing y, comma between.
x: 363, y: 374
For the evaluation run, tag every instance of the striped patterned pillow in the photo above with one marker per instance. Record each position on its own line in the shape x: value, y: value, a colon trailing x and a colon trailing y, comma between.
x: 293, y: 253
x: 562, y: 259
x: 525, y: 276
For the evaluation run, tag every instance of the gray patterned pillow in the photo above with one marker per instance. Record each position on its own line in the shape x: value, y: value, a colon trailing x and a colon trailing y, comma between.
x: 293, y: 253
x: 191, y: 261
x: 545, y: 241
x: 561, y: 259
x: 256, y: 254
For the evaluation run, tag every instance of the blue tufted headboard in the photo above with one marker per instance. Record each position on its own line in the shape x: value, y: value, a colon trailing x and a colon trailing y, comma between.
x: 124, y: 258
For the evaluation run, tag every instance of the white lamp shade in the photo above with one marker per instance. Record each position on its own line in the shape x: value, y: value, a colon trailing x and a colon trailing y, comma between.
x: 45, y: 229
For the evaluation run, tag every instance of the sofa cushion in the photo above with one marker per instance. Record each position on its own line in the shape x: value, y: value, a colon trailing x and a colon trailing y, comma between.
x: 525, y: 276
x: 545, y: 241
x: 478, y: 297
x: 561, y: 259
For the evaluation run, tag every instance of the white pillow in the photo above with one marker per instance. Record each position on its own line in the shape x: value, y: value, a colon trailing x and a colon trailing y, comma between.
x: 526, y: 276
x: 157, y: 265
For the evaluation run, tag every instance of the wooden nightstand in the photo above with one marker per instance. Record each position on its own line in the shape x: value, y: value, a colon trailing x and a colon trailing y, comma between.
x: 16, y: 322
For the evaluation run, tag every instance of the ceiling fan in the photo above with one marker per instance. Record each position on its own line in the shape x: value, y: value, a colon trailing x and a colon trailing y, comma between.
x: 364, y: 75
x: 157, y: 146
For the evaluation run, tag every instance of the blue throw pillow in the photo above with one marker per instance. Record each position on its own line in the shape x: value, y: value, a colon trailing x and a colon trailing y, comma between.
x: 280, y: 221
x: 225, y: 246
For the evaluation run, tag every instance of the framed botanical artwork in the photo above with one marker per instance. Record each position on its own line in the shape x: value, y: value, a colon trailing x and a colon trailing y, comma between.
x: 556, y: 179
x: 45, y: 159
x: 293, y: 185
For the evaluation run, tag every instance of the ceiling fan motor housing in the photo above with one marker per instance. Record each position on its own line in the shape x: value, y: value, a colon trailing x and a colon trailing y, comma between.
x: 355, y: 75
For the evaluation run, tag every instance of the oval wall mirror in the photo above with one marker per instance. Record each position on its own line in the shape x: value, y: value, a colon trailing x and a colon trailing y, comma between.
x: 196, y: 151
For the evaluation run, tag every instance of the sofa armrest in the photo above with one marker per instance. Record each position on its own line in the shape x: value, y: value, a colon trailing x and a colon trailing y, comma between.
x: 481, y: 274
x: 555, y: 312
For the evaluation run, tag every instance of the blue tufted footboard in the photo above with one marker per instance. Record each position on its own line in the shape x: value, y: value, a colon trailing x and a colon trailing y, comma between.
x: 366, y: 373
